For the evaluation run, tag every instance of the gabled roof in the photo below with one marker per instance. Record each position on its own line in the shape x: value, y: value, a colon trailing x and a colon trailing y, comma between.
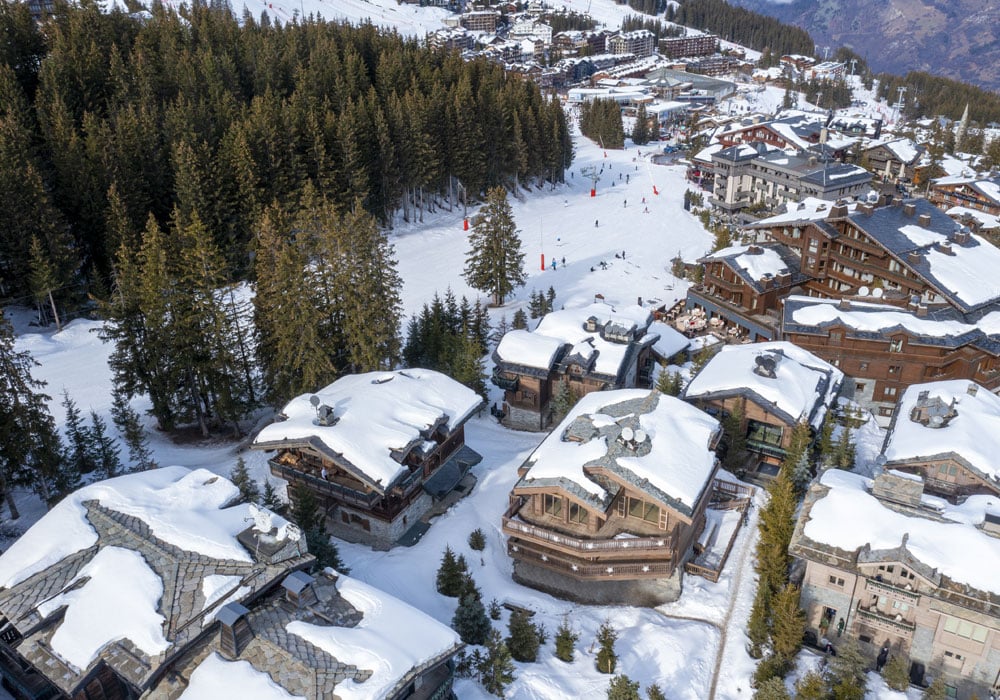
x: 376, y: 419
x: 962, y: 272
x: 802, y: 387
x: 756, y: 263
x: 673, y: 464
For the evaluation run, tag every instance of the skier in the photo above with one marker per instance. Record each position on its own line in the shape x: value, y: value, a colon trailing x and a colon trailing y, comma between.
x: 625, y: 204
x: 595, y: 223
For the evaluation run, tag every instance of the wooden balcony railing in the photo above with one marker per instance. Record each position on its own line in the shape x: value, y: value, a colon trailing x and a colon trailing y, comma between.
x: 887, y: 588
x: 505, y: 380
x: 582, y: 570
x: 322, y: 486
x: 518, y: 528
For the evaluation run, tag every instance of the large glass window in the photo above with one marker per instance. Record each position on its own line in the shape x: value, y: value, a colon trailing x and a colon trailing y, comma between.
x: 577, y: 513
x: 553, y: 504
x: 637, y: 508
x: 762, y: 432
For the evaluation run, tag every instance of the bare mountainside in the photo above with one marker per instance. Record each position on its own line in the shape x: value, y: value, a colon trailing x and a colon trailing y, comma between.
x: 953, y: 38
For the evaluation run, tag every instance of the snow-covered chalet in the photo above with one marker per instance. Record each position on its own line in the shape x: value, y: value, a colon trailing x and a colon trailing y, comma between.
x: 378, y: 450
x: 576, y: 351
x: 899, y: 569
x: 774, y: 386
x: 160, y: 585
x: 607, y: 507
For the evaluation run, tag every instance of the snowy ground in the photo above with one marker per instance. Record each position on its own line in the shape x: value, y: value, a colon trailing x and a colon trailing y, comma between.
x: 693, y: 648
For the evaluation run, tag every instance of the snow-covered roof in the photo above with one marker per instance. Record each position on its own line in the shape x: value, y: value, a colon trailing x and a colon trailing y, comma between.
x: 391, y: 639
x: 871, y: 317
x: 674, y: 469
x: 903, y: 149
x: 986, y: 221
x: 215, y: 677
x: 529, y: 349
x: 375, y: 414
x: 181, y: 507
x: 809, y: 209
x: 566, y: 327
x: 802, y: 388
x: 670, y: 341
x: 848, y: 517
x: 973, y: 433
x: 756, y: 260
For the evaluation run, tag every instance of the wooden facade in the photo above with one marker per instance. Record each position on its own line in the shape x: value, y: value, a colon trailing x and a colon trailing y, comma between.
x: 967, y: 193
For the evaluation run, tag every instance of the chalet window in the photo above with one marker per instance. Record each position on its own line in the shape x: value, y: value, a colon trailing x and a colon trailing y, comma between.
x: 859, y: 387
x: 896, y: 345
x: 836, y: 336
x: 968, y: 630
x: 577, y: 513
x: 813, y: 245
x: 863, y: 367
x: 763, y: 433
x: 895, y: 369
x: 553, y: 504
x: 836, y: 581
x: 637, y: 508
x: 886, y: 411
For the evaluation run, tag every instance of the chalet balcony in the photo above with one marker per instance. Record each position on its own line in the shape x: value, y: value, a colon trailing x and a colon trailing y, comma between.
x: 322, y: 486
x: 505, y: 380
x: 894, y: 592
x: 765, y: 448
x: 885, y: 622
x: 584, y: 570
x: 543, y: 539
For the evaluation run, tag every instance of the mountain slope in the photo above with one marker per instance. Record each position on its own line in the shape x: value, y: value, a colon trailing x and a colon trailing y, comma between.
x: 952, y: 38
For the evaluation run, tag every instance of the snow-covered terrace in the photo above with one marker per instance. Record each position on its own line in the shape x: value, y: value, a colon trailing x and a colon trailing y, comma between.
x: 375, y: 415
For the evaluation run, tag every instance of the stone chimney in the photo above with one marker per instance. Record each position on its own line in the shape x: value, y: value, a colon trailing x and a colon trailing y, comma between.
x: 972, y: 389
x: 913, y: 257
x: 909, y: 209
x: 924, y: 220
x: 844, y: 305
x: 962, y: 236
x: 299, y: 589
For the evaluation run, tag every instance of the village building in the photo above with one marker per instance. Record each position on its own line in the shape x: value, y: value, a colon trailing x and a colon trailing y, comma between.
x: 981, y: 194
x: 741, y: 287
x: 690, y: 45
x: 640, y: 43
x: 377, y: 450
x: 948, y: 433
x: 894, y: 160
x: 747, y: 175
x: 160, y: 585
x: 906, y: 572
x: 884, y: 349
x: 576, y: 351
x: 609, y: 506
x: 773, y: 387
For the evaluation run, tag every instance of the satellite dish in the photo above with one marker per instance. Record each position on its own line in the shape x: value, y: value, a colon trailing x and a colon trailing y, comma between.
x: 640, y: 435
x: 262, y: 519
x: 314, y: 400
x: 863, y: 292
x: 627, y: 433
x: 877, y: 292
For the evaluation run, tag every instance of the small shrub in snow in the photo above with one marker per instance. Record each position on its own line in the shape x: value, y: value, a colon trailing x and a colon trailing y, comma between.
x: 565, y: 641
x: 772, y: 689
x: 477, y: 540
x: 623, y: 688
x: 896, y: 673
x: 607, y: 660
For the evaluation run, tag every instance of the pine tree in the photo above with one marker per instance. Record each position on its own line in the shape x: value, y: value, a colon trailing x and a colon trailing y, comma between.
x: 566, y: 640
x: 788, y: 622
x: 523, y: 639
x: 811, y: 686
x: 669, y: 383
x: 896, y: 672
x: 450, y: 576
x: 824, y: 442
x: 500, y: 331
x: 607, y: 660
x: 477, y: 540
x: 494, y: 609
x: 759, y: 624
x: 471, y: 621
x: 640, y: 132
x: 497, y: 669
x: 42, y: 278
x: 127, y: 421
x: 520, y: 320
x: 736, y: 441
x: 777, y: 522
x: 771, y: 666
x: 249, y: 491
x: 772, y: 689
x: 798, y: 445
x: 845, y: 450
x: 30, y: 452
x: 103, y: 448
x: 654, y: 692
x: 563, y: 401
x: 270, y: 499
x: 623, y: 688
x: 937, y: 690
x: 81, y: 452
x: 802, y: 473
x: 847, y: 672
x: 495, y: 261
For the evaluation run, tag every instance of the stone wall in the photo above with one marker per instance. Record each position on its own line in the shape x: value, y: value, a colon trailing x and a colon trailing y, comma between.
x: 646, y: 593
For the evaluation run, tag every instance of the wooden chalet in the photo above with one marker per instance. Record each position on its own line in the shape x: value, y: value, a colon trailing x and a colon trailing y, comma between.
x: 377, y: 450
x: 608, y: 506
x: 982, y: 194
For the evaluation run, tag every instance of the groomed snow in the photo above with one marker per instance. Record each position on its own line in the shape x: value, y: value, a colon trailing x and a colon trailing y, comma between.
x: 118, y: 600
x: 868, y: 317
x: 377, y: 412
x: 391, y: 639
x: 973, y: 434
x: 215, y: 678
x: 848, y: 517
x: 679, y: 462
x: 794, y: 389
x: 181, y: 507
